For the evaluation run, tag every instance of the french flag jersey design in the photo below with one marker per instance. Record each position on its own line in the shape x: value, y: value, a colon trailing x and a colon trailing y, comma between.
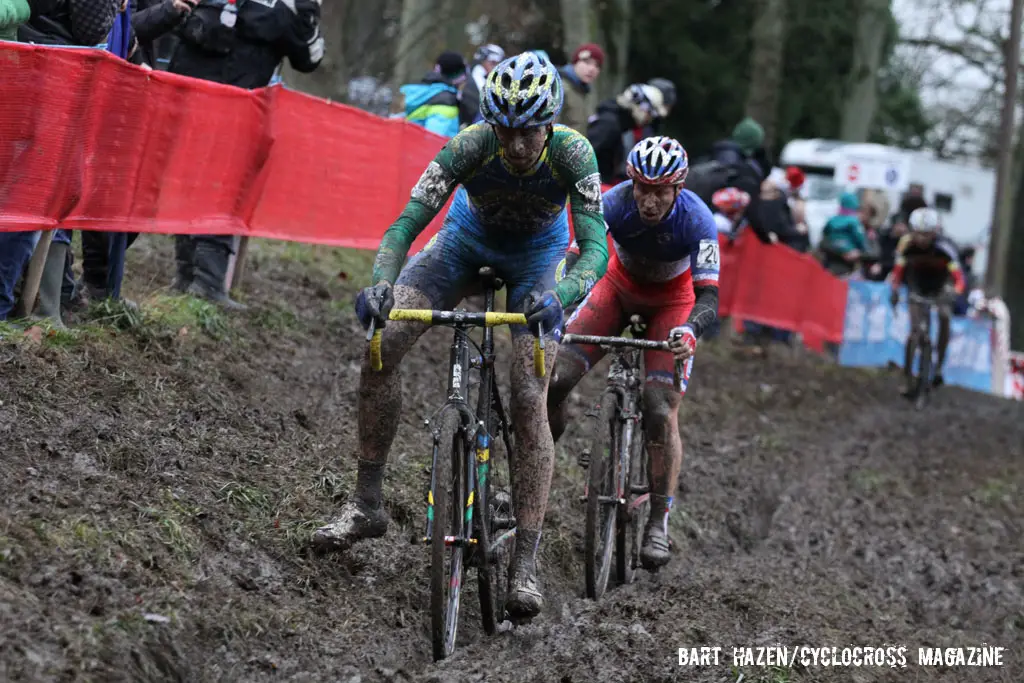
x: 686, y: 242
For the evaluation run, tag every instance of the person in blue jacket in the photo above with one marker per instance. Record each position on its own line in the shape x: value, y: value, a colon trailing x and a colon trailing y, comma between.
x: 434, y: 102
x: 843, y: 241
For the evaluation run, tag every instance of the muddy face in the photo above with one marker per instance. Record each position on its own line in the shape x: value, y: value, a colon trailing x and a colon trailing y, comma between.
x: 522, y: 147
x: 654, y: 201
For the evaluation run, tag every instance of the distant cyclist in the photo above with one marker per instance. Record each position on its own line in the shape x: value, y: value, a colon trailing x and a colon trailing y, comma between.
x: 664, y: 267
x: 929, y: 264
x: 517, y: 171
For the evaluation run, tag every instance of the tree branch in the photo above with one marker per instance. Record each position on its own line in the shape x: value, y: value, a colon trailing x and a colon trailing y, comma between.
x: 963, y: 51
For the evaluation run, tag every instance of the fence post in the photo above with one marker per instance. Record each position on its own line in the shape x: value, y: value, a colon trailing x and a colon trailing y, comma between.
x: 33, y: 276
x: 236, y: 267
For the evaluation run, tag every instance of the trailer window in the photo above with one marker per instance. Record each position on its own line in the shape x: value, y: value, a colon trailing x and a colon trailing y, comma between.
x: 944, y: 202
x: 821, y: 188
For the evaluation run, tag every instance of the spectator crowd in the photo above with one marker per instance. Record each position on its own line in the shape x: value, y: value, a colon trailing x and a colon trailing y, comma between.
x: 242, y: 43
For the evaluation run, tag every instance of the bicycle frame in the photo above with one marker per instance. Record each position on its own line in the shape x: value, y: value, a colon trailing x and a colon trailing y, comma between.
x: 921, y: 339
x: 924, y: 329
x: 625, y: 382
x: 476, y: 432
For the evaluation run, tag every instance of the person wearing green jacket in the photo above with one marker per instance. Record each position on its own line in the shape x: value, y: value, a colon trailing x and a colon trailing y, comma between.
x: 12, y: 14
x: 843, y: 241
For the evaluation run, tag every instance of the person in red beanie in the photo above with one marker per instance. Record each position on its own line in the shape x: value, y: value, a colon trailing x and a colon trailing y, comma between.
x: 796, y: 178
x: 578, y: 77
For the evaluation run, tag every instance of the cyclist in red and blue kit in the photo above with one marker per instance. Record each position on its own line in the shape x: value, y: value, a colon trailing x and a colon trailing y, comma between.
x: 663, y: 266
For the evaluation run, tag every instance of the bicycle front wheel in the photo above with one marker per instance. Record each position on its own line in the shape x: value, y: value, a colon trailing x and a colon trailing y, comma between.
x: 599, y: 533
x: 446, y: 550
x: 924, y: 373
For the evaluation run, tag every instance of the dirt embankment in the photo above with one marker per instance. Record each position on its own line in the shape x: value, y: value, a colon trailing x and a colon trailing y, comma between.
x: 162, y: 477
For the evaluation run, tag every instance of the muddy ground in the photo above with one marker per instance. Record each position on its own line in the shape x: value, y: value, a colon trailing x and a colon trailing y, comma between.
x: 161, y: 478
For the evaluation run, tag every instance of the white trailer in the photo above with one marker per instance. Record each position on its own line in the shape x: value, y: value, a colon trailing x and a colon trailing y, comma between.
x: 963, y: 193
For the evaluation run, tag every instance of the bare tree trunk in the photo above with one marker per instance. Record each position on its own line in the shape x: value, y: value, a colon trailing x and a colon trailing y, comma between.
x: 769, y: 36
x: 615, y: 17
x: 862, y: 93
x: 1000, y: 237
x: 418, y: 39
x: 1014, y: 277
x: 579, y: 24
x: 456, y: 14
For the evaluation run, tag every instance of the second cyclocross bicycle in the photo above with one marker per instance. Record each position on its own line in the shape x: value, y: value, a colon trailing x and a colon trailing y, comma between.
x: 617, y: 492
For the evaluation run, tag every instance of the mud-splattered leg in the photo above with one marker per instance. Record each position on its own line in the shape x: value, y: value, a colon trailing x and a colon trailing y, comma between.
x: 532, y: 467
x: 665, y: 449
x: 566, y: 375
x: 380, y: 404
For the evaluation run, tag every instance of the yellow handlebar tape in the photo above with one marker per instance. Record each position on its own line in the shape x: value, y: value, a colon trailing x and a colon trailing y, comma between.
x: 538, y: 358
x: 413, y: 315
x: 493, y: 319
x: 375, y: 361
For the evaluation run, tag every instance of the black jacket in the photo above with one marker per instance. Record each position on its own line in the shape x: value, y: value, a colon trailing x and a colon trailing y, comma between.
x: 247, y: 55
x: 605, y: 132
x: 69, y: 22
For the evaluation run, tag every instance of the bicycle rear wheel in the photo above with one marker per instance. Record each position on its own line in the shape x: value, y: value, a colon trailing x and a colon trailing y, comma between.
x: 632, y: 517
x: 599, y: 532
x: 446, y: 561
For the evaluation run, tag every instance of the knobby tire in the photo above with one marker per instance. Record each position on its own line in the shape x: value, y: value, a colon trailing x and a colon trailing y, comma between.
x: 599, y: 532
x: 446, y: 562
x: 630, y: 524
x: 493, y: 575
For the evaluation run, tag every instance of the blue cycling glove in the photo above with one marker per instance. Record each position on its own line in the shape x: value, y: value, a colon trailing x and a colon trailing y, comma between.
x: 545, y: 310
x: 374, y: 303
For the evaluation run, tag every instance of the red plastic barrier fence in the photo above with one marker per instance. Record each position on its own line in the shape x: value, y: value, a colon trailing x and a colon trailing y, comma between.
x: 88, y: 141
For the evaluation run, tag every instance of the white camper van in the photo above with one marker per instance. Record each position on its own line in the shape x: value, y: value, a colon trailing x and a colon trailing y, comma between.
x: 962, y: 193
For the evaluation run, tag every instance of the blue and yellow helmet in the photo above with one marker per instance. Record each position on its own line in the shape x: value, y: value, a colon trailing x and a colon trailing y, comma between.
x: 523, y: 91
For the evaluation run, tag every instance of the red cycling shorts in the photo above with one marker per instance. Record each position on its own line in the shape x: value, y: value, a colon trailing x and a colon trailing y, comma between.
x: 616, y: 297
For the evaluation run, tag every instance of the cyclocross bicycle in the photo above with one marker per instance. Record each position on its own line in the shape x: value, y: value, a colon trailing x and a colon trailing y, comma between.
x: 617, y: 489
x: 470, y: 519
x: 921, y: 349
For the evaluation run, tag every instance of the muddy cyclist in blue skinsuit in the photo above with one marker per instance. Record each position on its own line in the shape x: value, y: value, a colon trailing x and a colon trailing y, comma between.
x: 512, y: 176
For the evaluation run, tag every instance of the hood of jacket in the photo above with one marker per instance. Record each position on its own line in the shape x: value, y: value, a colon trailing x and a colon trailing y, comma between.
x: 432, y: 86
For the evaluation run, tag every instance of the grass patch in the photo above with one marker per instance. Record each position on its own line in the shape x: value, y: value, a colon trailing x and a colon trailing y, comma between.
x: 770, y: 442
x: 186, y: 312
x: 995, y: 491
x: 350, y: 266
x: 116, y: 314
x: 772, y: 674
x: 48, y: 335
x: 244, y: 497
x: 170, y: 522
x: 276, y: 319
x: 869, y: 481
